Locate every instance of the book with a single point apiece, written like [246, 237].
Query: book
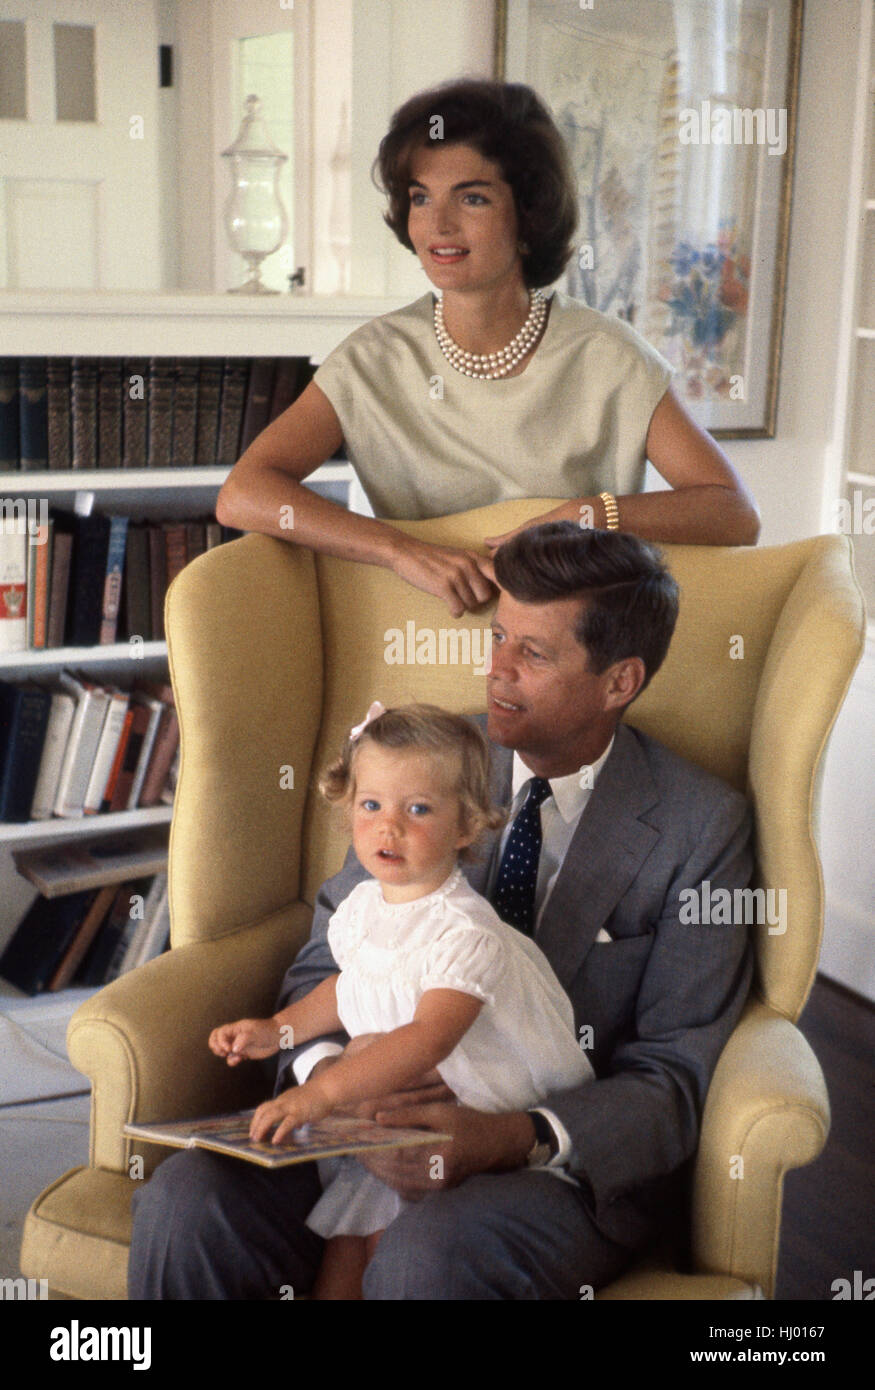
[10, 423]
[135, 412]
[109, 412]
[39, 579]
[99, 956]
[185, 412]
[162, 378]
[118, 761]
[33, 413]
[124, 778]
[41, 940]
[107, 747]
[79, 866]
[150, 930]
[83, 406]
[59, 381]
[208, 404]
[51, 762]
[229, 1134]
[13, 583]
[112, 585]
[85, 934]
[287, 384]
[24, 717]
[163, 749]
[235, 379]
[156, 938]
[195, 540]
[91, 705]
[136, 597]
[88, 579]
[169, 791]
[175, 550]
[256, 412]
[59, 588]
[157, 581]
[155, 709]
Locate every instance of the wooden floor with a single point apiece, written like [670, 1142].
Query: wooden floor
[829, 1207]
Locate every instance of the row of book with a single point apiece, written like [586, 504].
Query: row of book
[75, 748]
[88, 937]
[140, 412]
[83, 581]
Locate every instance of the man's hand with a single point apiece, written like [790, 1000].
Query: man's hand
[481, 1143]
[420, 1092]
[247, 1038]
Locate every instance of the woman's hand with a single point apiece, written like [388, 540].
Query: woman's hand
[248, 1038]
[300, 1105]
[462, 578]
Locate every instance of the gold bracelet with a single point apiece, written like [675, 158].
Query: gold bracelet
[612, 513]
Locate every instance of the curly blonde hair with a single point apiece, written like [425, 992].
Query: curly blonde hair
[425, 729]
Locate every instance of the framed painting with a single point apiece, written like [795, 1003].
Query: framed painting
[679, 117]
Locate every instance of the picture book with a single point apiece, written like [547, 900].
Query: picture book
[229, 1134]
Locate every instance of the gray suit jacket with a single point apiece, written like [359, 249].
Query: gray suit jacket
[661, 997]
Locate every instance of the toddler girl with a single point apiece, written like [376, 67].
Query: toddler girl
[423, 960]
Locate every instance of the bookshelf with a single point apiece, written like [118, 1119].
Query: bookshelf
[69, 323]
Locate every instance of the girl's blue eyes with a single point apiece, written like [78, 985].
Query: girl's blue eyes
[418, 808]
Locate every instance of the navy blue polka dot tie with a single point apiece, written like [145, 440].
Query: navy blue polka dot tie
[514, 894]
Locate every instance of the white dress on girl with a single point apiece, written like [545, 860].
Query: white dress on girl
[520, 1048]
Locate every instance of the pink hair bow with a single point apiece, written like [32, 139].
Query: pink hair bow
[373, 713]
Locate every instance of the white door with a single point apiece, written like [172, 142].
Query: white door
[79, 145]
[262, 47]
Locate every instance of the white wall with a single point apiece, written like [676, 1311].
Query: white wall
[785, 472]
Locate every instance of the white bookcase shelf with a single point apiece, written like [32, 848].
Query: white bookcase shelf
[32, 832]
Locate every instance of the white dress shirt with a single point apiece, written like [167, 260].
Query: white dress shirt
[560, 814]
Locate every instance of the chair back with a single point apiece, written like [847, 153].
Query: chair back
[276, 652]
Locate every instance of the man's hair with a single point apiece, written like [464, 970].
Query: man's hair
[509, 124]
[452, 740]
[629, 599]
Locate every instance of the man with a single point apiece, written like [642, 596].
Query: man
[619, 830]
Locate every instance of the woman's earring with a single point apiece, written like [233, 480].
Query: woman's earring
[523, 248]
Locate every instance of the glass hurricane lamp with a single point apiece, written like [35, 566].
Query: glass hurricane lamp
[255, 219]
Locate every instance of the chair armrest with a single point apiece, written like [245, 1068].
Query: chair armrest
[767, 1111]
[143, 1040]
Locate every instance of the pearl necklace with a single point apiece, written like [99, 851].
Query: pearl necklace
[490, 366]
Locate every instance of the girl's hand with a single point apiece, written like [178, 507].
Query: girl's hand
[247, 1038]
[298, 1106]
[462, 578]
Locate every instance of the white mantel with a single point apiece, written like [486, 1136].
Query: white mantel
[133, 323]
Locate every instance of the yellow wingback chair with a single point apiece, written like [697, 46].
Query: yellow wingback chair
[274, 653]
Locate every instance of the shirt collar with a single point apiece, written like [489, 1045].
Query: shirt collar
[571, 792]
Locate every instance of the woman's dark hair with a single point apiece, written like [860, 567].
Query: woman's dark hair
[509, 124]
[629, 598]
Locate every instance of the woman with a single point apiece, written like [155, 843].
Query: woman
[490, 392]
